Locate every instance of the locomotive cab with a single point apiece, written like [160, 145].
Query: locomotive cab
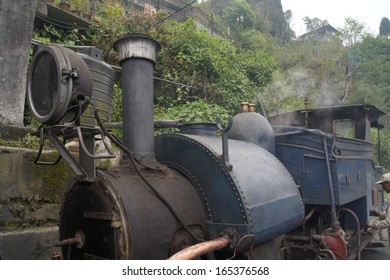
[329, 152]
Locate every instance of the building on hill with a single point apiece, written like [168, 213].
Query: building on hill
[320, 34]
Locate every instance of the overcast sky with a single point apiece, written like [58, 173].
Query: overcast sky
[369, 12]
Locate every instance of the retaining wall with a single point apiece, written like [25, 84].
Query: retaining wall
[30, 197]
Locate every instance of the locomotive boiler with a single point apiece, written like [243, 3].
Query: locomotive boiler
[272, 188]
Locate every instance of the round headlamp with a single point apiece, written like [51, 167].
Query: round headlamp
[59, 85]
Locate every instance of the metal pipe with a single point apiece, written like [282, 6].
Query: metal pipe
[331, 187]
[300, 131]
[200, 249]
[357, 229]
[379, 148]
[261, 106]
[87, 150]
[137, 55]
[225, 148]
[310, 214]
[67, 156]
[308, 239]
[329, 252]
[157, 124]
[307, 217]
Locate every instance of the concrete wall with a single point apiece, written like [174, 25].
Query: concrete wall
[29, 244]
[30, 197]
[16, 25]
[30, 200]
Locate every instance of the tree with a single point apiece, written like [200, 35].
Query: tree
[384, 27]
[288, 16]
[307, 68]
[313, 23]
[213, 67]
[352, 35]
[373, 71]
[373, 86]
[270, 19]
[353, 32]
[265, 16]
[253, 39]
[239, 16]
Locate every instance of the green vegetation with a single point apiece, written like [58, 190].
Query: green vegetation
[384, 27]
[245, 50]
[216, 70]
[28, 142]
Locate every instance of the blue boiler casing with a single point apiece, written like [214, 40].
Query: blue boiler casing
[257, 196]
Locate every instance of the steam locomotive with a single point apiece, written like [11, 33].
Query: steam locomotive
[297, 185]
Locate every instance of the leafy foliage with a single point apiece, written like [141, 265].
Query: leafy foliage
[196, 111]
[215, 70]
[109, 26]
[265, 16]
[307, 68]
[239, 16]
[253, 39]
[50, 34]
[313, 23]
[373, 71]
[353, 32]
[384, 27]
[117, 104]
[28, 142]
[113, 22]
[80, 5]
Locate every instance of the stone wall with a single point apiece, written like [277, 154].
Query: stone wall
[30, 200]
[30, 194]
[30, 197]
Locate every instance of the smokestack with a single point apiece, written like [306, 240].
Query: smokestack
[137, 56]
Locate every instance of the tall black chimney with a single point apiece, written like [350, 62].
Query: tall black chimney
[137, 56]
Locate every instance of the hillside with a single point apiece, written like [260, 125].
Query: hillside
[272, 11]
[266, 16]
